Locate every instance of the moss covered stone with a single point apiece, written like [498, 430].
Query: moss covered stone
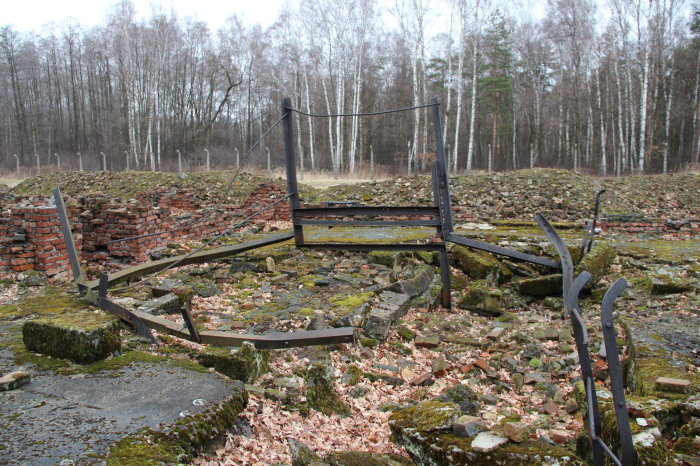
[483, 298]
[177, 443]
[418, 284]
[319, 390]
[549, 285]
[597, 262]
[387, 258]
[245, 363]
[429, 416]
[81, 337]
[478, 265]
[666, 282]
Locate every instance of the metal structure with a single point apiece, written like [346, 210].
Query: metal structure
[571, 289]
[439, 215]
[96, 293]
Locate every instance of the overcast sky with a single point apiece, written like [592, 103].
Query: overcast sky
[28, 15]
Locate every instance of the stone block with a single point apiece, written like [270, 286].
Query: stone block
[483, 298]
[82, 337]
[467, 426]
[486, 441]
[516, 431]
[667, 384]
[549, 285]
[478, 265]
[417, 285]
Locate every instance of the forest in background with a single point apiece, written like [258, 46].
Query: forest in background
[516, 92]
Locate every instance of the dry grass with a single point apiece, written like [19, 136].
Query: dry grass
[324, 180]
[10, 181]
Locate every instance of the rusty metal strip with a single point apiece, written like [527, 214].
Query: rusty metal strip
[615, 370]
[281, 339]
[187, 316]
[68, 239]
[202, 256]
[483, 246]
[375, 247]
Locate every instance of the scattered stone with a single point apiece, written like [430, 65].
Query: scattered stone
[387, 258]
[270, 265]
[323, 282]
[483, 298]
[487, 441]
[379, 323]
[482, 364]
[432, 341]
[496, 333]
[537, 377]
[535, 363]
[597, 262]
[518, 381]
[551, 334]
[550, 407]
[558, 436]
[420, 380]
[461, 395]
[301, 454]
[571, 406]
[14, 380]
[477, 264]
[467, 426]
[516, 431]
[317, 322]
[439, 366]
[549, 285]
[245, 363]
[667, 384]
[319, 390]
[666, 282]
[406, 333]
[417, 285]
[359, 392]
[166, 287]
[553, 304]
[168, 304]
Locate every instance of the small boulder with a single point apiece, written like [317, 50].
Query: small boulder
[477, 264]
[483, 298]
[486, 441]
[245, 363]
[319, 390]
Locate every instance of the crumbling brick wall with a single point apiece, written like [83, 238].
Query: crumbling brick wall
[30, 236]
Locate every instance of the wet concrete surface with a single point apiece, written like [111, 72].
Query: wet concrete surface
[74, 419]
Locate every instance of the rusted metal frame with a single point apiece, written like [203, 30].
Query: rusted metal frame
[351, 211]
[291, 166]
[189, 322]
[375, 247]
[68, 239]
[327, 204]
[615, 371]
[199, 257]
[370, 223]
[501, 251]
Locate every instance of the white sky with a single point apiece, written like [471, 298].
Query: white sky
[28, 15]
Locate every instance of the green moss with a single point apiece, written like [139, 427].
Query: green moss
[483, 298]
[401, 348]
[81, 336]
[52, 301]
[428, 416]
[364, 458]
[178, 442]
[352, 375]
[245, 364]
[368, 342]
[345, 304]
[476, 264]
[319, 390]
[597, 262]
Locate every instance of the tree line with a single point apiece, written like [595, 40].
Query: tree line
[608, 97]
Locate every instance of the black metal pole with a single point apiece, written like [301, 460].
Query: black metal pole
[443, 182]
[290, 162]
[615, 371]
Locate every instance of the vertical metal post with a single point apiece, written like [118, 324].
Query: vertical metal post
[68, 238]
[445, 291]
[290, 162]
[581, 339]
[443, 183]
[615, 371]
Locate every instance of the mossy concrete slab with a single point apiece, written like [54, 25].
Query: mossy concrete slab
[79, 417]
[81, 336]
[549, 285]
